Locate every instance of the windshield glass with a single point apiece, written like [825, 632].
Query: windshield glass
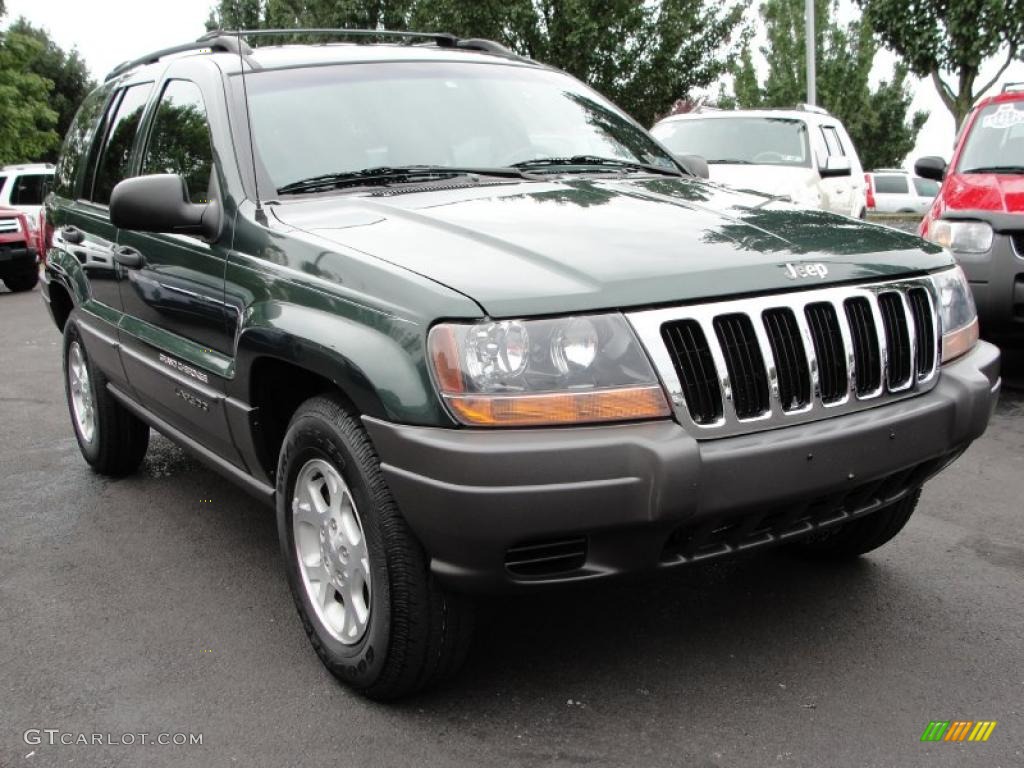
[754, 140]
[348, 118]
[996, 139]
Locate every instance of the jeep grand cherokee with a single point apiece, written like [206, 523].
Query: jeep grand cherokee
[469, 328]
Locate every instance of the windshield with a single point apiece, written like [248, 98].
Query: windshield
[742, 140]
[348, 118]
[996, 140]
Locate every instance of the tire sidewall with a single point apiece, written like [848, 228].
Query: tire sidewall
[312, 437]
[90, 450]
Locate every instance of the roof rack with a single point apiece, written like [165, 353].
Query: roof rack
[440, 39]
[1013, 87]
[213, 42]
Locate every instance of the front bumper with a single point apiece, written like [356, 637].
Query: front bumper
[997, 282]
[503, 509]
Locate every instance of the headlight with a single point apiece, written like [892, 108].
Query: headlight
[518, 373]
[958, 317]
[961, 236]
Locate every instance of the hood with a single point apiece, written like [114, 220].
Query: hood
[997, 192]
[548, 247]
[776, 180]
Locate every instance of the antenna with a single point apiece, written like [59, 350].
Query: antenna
[261, 216]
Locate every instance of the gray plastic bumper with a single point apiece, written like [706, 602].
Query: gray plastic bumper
[627, 491]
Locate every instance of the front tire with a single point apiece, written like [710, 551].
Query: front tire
[112, 439]
[21, 283]
[858, 537]
[362, 585]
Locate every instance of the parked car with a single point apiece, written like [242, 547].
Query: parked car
[804, 155]
[469, 328]
[23, 188]
[894, 190]
[979, 211]
[19, 263]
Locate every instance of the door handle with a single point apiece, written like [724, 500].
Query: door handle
[72, 235]
[128, 257]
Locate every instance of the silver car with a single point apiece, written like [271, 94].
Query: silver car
[893, 190]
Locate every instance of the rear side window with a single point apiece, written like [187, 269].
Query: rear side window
[180, 139]
[891, 185]
[29, 189]
[832, 141]
[77, 142]
[116, 153]
[926, 187]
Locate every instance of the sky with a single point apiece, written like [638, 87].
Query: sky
[107, 32]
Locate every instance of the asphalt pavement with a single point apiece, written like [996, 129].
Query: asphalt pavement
[157, 604]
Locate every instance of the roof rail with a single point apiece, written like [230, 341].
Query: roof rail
[440, 39]
[213, 42]
[813, 108]
[1013, 87]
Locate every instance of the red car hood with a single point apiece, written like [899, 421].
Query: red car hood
[999, 193]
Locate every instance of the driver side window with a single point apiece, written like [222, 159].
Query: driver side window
[180, 139]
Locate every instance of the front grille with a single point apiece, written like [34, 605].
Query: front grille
[9, 225]
[740, 366]
[866, 354]
[692, 357]
[745, 365]
[702, 541]
[790, 358]
[897, 338]
[829, 349]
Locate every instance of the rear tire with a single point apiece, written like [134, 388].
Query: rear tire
[857, 537]
[112, 439]
[21, 283]
[408, 633]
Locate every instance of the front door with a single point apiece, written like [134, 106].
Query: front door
[837, 191]
[175, 344]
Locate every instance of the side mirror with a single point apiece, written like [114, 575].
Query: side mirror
[931, 167]
[695, 164]
[159, 203]
[835, 166]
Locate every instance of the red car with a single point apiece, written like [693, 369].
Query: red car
[979, 211]
[19, 251]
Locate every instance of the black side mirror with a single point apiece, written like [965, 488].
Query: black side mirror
[159, 203]
[695, 164]
[933, 168]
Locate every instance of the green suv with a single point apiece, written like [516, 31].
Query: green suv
[469, 328]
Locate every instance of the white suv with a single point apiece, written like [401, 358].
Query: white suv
[894, 190]
[23, 188]
[803, 154]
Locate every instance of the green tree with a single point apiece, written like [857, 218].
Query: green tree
[876, 119]
[939, 37]
[66, 71]
[26, 119]
[643, 54]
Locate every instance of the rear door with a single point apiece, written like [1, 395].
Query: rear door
[175, 344]
[104, 139]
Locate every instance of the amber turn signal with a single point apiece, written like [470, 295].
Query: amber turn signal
[959, 342]
[627, 404]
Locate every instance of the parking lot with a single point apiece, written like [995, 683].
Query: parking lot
[157, 603]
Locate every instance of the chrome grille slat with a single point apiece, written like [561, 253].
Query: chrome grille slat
[765, 386]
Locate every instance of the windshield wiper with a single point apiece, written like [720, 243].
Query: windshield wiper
[594, 161]
[390, 175]
[729, 161]
[996, 169]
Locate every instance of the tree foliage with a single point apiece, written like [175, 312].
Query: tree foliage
[66, 71]
[643, 54]
[935, 37]
[876, 119]
[27, 121]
